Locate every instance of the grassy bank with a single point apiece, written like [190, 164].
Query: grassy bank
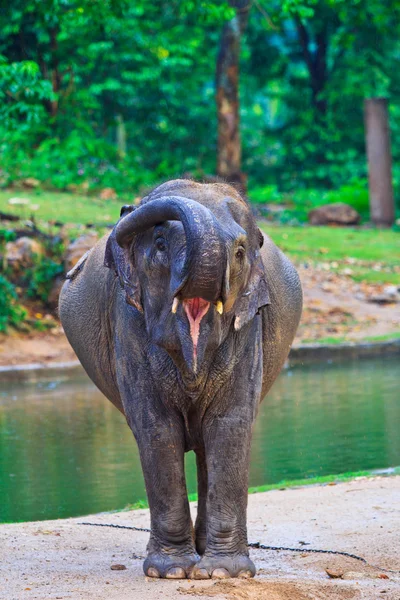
[336, 341]
[59, 206]
[373, 253]
[284, 484]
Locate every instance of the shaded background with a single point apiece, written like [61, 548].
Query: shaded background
[122, 94]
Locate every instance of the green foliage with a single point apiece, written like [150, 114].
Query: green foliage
[39, 278]
[11, 313]
[22, 92]
[121, 94]
[6, 235]
[298, 204]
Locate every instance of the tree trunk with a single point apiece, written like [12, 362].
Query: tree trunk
[377, 135]
[316, 62]
[121, 136]
[229, 157]
[55, 74]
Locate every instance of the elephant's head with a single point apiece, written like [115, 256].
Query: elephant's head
[189, 259]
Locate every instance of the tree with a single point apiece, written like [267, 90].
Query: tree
[229, 154]
[379, 161]
[314, 62]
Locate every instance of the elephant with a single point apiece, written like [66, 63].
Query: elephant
[183, 316]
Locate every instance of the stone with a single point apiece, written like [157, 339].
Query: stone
[52, 300]
[108, 194]
[18, 201]
[21, 253]
[389, 295]
[77, 248]
[337, 213]
[30, 182]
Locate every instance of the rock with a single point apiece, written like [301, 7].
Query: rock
[22, 252]
[19, 201]
[108, 194]
[54, 294]
[355, 575]
[327, 287]
[30, 182]
[392, 290]
[118, 567]
[389, 295]
[334, 574]
[337, 213]
[360, 296]
[77, 248]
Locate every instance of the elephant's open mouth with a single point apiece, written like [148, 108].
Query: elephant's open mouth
[195, 309]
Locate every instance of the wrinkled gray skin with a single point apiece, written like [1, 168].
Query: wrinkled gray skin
[187, 240]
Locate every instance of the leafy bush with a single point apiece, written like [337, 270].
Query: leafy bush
[6, 235]
[298, 204]
[39, 279]
[11, 312]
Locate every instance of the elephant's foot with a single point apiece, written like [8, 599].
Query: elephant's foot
[224, 566]
[169, 566]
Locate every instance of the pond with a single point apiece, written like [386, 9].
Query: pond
[66, 451]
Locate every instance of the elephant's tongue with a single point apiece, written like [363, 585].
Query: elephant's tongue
[195, 309]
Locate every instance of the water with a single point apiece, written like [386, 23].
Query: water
[65, 450]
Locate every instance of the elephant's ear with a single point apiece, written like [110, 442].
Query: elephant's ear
[254, 297]
[120, 261]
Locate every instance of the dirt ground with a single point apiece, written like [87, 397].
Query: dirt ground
[334, 306]
[67, 560]
[337, 306]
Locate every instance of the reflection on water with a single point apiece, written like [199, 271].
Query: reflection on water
[65, 450]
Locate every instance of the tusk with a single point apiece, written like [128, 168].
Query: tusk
[175, 305]
[220, 307]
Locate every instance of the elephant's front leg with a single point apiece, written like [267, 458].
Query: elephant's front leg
[227, 443]
[170, 551]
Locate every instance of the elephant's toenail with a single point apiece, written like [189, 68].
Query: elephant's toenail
[200, 574]
[152, 572]
[220, 574]
[245, 574]
[176, 573]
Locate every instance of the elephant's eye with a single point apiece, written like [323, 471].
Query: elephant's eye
[240, 252]
[160, 244]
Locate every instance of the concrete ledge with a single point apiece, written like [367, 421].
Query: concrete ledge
[40, 371]
[346, 351]
[303, 353]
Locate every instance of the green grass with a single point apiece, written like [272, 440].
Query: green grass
[284, 484]
[64, 207]
[389, 337]
[379, 247]
[323, 479]
[334, 243]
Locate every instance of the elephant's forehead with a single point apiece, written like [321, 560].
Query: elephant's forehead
[232, 229]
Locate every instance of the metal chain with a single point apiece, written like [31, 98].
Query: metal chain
[260, 546]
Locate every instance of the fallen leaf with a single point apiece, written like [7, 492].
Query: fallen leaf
[383, 576]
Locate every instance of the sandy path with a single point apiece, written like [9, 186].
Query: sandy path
[63, 559]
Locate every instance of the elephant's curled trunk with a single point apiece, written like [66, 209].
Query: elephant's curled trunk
[203, 269]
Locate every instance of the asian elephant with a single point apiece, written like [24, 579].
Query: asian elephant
[183, 317]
